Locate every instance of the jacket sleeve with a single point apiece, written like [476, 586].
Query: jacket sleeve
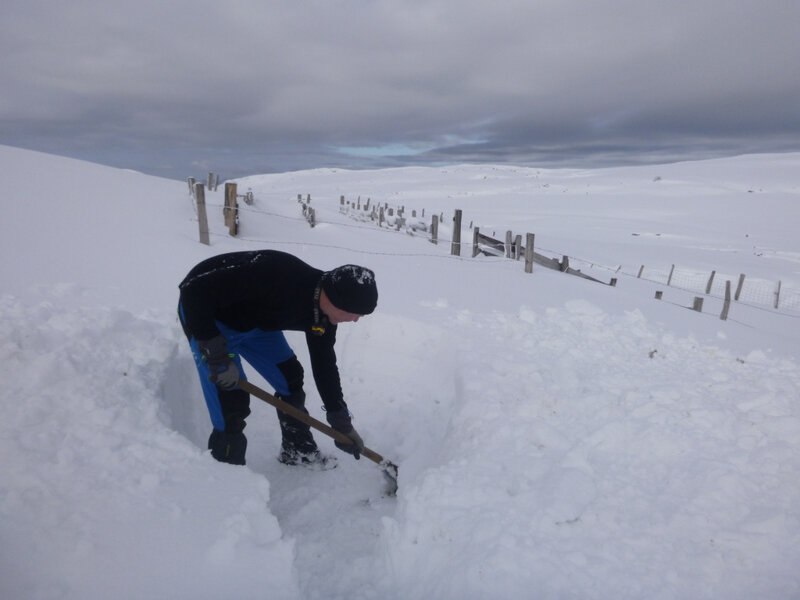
[324, 368]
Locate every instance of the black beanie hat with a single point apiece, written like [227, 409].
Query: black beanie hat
[351, 288]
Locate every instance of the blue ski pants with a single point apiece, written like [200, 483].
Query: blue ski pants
[263, 350]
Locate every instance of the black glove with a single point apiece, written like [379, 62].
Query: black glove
[341, 422]
[223, 370]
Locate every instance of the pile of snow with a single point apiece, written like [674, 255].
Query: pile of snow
[555, 437]
[101, 498]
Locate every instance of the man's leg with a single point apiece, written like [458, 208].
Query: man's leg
[296, 436]
[228, 410]
[270, 355]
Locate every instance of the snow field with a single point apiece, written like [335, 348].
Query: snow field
[556, 438]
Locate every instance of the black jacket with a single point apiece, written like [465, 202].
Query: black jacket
[263, 289]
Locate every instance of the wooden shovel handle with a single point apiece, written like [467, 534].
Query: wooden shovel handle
[307, 419]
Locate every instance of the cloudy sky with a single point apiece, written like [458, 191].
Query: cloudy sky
[177, 88]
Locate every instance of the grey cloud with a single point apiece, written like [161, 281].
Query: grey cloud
[255, 86]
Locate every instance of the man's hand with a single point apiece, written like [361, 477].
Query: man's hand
[223, 370]
[340, 420]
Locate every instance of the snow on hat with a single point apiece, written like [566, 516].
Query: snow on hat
[351, 288]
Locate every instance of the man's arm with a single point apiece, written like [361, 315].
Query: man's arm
[326, 376]
[324, 368]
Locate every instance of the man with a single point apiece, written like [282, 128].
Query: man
[238, 305]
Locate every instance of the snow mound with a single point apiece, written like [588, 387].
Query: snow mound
[611, 458]
[99, 487]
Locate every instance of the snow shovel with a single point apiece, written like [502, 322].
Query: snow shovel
[388, 467]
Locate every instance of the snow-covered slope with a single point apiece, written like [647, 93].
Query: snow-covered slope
[557, 438]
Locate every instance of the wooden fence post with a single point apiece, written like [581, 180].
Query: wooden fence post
[202, 218]
[509, 236]
[710, 282]
[455, 247]
[231, 209]
[778, 294]
[727, 304]
[517, 247]
[641, 269]
[191, 183]
[671, 271]
[435, 229]
[698, 304]
[475, 233]
[529, 252]
[739, 287]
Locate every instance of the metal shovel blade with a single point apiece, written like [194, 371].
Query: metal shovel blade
[390, 475]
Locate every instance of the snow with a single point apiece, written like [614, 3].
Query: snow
[556, 438]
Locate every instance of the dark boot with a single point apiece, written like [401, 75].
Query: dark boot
[315, 460]
[296, 435]
[228, 447]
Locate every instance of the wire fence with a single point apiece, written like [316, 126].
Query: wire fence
[759, 293]
[751, 291]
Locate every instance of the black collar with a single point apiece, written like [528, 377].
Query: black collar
[320, 319]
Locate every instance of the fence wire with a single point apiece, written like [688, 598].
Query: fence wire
[755, 292]
[759, 292]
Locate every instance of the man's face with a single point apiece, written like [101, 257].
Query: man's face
[336, 315]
